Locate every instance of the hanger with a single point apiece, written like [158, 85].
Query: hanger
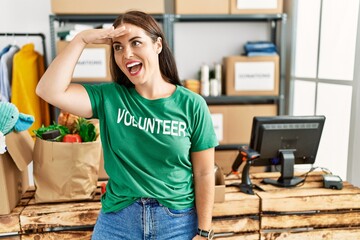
[27, 35]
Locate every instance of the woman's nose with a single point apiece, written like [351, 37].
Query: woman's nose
[128, 53]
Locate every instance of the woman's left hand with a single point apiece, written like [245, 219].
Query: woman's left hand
[102, 36]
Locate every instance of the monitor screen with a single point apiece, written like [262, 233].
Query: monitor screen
[300, 134]
[285, 141]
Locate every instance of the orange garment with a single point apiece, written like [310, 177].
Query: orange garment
[28, 67]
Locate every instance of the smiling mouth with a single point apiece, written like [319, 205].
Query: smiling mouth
[134, 68]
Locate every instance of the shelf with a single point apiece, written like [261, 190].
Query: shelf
[227, 147]
[228, 17]
[177, 17]
[91, 18]
[236, 100]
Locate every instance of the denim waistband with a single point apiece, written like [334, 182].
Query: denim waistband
[148, 201]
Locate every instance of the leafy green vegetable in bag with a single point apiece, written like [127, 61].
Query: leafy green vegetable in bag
[63, 131]
[86, 130]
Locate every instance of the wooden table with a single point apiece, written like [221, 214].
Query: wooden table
[306, 212]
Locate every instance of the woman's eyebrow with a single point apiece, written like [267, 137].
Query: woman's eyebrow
[131, 39]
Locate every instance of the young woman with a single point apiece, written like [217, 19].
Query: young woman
[157, 136]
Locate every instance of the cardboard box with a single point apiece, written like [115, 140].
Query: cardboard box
[248, 76]
[256, 7]
[219, 185]
[202, 7]
[233, 123]
[13, 169]
[106, 6]
[93, 64]
[225, 158]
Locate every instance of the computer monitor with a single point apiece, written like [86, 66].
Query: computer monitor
[286, 141]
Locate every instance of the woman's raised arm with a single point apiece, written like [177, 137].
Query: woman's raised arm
[55, 86]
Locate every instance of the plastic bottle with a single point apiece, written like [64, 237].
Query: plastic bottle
[214, 87]
[218, 73]
[205, 85]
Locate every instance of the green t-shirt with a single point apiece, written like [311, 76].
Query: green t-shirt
[147, 144]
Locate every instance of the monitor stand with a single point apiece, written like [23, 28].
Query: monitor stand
[287, 178]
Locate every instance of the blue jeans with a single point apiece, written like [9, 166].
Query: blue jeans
[146, 219]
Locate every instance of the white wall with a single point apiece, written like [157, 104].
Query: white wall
[16, 17]
[209, 42]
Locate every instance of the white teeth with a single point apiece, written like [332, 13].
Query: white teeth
[132, 64]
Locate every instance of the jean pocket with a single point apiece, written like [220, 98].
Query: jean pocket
[179, 213]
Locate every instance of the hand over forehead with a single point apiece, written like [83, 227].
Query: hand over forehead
[120, 31]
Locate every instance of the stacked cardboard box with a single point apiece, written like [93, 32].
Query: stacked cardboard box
[252, 76]
[256, 7]
[14, 179]
[233, 123]
[202, 7]
[93, 64]
[106, 6]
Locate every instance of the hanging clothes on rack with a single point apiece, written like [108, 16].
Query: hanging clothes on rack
[28, 67]
[6, 65]
[4, 50]
[2, 84]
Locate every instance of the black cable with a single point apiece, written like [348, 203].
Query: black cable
[305, 175]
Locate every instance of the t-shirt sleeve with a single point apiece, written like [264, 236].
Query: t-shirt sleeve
[203, 135]
[94, 92]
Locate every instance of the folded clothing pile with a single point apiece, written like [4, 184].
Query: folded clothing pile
[260, 48]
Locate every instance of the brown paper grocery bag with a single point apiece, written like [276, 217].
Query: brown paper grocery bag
[65, 171]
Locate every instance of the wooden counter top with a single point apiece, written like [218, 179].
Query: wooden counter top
[308, 211]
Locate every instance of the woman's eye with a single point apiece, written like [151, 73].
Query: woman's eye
[117, 47]
[136, 43]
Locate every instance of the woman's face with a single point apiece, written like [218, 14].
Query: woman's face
[137, 55]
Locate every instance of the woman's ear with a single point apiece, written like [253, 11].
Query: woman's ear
[159, 45]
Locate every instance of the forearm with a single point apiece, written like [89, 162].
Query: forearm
[55, 85]
[204, 198]
[57, 78]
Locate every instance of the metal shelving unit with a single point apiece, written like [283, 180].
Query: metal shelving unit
[277, 24]
[238, 100]
[92, 19]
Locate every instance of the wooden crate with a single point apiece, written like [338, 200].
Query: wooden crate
[243, 236]
[61, 216]
[67, 220]
[309, 211]
[9, 224]
[238, 216]
[305, 212]
[60, 220]
[317, 234]
[78, 235]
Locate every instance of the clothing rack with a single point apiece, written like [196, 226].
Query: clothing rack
[41, 35]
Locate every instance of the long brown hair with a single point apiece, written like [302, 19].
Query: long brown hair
[167, 63]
